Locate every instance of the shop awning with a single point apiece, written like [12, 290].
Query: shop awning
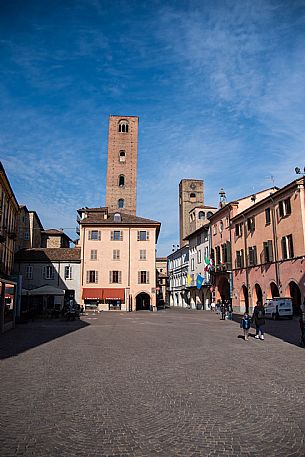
[114, 294]
[46, 290]
[92, 293]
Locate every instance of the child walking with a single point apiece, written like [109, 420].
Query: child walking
[245, 325]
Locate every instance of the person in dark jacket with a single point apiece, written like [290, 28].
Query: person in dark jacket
[245, 325]
[259, 319]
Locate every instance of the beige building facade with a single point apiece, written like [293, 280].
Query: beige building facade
[29, 228]
[121, 182]
[118, 260]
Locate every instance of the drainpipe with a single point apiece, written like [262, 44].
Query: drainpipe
[274, 233]
[246, 260]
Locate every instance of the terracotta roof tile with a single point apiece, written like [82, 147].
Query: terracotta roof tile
[48, 254]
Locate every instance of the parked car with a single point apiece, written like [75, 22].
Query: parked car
[278, 307]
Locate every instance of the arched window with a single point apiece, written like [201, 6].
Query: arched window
[121, 203]
[209, 214]
[123, 126]
[201, 215]
[121, 180]
[122, 156]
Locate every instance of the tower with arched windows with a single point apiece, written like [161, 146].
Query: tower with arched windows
[121, 183]
[191, 195]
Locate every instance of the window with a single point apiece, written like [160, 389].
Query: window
[240, 259]
[115, 277]
[68, 272]
[116, 235]
[201, 215]
[209, 214]
[220, 226]
[287, 247]
[142, 254]
[284, 207]
[252, 256]
[268, 251]
[192, 196]
[199, 259]
[48, 272]
[268, 216]
[214, 229]
[238, 229]
[116, 254]
[143, 277]
[92, 276]
[93, 254]
[121, 203]
[217, 255]
[28, 272]
[251, 224]
[123, 126]
[121, 181]
[225, 249]
[26, 235]
[122, 156]
[143, 235]
[192, 264]
[94, 235]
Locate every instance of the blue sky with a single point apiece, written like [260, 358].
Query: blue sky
[219, 87]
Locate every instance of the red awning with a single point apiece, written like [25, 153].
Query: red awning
[114, 294]
[92, 293]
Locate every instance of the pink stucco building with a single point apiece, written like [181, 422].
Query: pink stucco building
[259, 247]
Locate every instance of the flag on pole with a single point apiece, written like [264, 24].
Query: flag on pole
[189, 280]
[199, 281]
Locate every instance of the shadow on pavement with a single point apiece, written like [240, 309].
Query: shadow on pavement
[32, 334]
[284, 329]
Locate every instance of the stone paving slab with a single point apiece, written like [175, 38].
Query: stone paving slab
[172, 383]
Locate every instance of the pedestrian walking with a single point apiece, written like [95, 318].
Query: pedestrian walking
[230, 311]
[245, 324]
[223, 311]
[218, 307]
[259, 319]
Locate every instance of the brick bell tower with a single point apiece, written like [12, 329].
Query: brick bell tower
[191, 194]
[121, 183]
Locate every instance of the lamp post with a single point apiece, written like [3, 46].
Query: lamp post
[299, 172]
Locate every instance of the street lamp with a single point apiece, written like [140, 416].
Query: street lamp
[299, 172]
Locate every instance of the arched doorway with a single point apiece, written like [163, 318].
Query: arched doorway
[244, 300]
[224, 289]
[143, 302]
[295, 294]
[274, 290]
[258, 294]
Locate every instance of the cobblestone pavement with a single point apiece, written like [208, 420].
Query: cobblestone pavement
[172, 383]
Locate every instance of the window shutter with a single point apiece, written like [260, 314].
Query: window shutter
[99, 235]
[89, 235]
[270, 249]
[288, 206]
[96, 277]
[139, 277]
[281, 209]
[121, 235]
[147, 236]
[147, 277]
[138, 237]
[112, 236]
[110, 277]
[87, 276]
[290, 244]
[284, 248]
[119, 277]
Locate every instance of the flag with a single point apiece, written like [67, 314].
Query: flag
[189, 280]
[207, 260]
[199, 281]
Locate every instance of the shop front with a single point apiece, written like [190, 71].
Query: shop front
[7, 305]
[104, 299]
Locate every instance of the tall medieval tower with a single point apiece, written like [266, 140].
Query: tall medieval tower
[191, 194]
[121, 183]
